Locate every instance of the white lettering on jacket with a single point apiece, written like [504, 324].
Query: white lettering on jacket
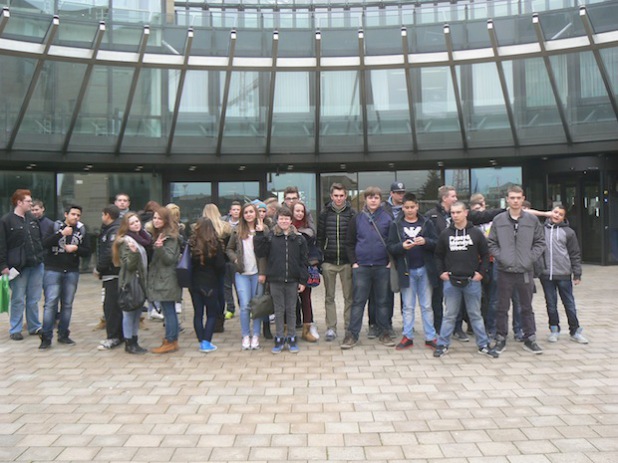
[459, 243]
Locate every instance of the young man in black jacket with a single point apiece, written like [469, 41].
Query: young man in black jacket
[331, 240]
[21, 250]
[65, 246]
[286, 273]
[462, 260]
[107, 272]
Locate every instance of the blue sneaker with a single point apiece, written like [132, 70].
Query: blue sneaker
[278, 346]
[207, 346]
[292, 346]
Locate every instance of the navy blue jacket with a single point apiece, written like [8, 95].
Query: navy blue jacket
[364, 246]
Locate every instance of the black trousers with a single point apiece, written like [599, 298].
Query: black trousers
[113, 314]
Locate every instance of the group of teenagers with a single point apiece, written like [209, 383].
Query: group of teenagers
[458, 263]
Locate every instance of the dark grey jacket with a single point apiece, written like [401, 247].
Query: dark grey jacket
[516, 245]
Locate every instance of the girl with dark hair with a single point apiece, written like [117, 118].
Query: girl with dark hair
[208, 267]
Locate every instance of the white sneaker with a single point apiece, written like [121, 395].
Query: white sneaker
[331, 335]
[255, 342]
[553, 336]
[178, 307]
[154, 315]
[271, 318]
[313, 330]
[579, 337]
[246, 343]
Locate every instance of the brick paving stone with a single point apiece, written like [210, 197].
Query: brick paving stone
[370, 403]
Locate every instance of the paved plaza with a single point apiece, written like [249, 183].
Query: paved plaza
[370, 403]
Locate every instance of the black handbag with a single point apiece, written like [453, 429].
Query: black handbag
[183, 268]
[131, 295]
[262, 306]
[458, 281]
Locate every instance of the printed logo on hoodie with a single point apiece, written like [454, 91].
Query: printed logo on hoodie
[459, 243]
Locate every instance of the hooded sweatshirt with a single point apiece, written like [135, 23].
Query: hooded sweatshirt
[462, 252]
[562, 257]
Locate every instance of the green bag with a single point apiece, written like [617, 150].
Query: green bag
[5, 294]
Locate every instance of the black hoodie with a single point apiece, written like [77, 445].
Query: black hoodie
[462, 252]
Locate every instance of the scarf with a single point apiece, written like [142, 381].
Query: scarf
[142, 237]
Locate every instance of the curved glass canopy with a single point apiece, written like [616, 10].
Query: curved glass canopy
[409, 80]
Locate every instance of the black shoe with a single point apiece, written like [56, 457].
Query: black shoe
[440, 351]
[461, 336]
[532, 346]
[66, 340]
[36, 332]
[487, 350]
[500, 346]
[386, 340]
[138, 349]
[45, 343]
[348, 342]
[16, 337]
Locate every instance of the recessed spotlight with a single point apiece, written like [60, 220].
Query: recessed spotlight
[192, 168]
[342, 166]
[29, 167]
[290, 166]
[440, 164]
[241, 168]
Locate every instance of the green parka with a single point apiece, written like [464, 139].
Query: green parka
[162, 282]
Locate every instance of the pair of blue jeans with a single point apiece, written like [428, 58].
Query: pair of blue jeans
[374, 281]
[564, 288]
[130, 323]
[247, 287]
[171, 320]
[26, 292]
[419, 288]
[471, 294]
[59, 288]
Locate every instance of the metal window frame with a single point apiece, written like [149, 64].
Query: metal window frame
[271, 96]
[226, 91]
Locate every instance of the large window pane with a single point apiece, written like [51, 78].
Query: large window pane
[341, 124]
[14, 80]
[199, 112]
[294, 113]
[247, 112]
[460, 179]
[383, 180]
[101, 112]
[437, 122]
[348, 180]
[388, 114]
[41, 184]
[424, 184]
[484, 109]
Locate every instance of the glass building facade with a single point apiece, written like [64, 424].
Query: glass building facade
[225, 100]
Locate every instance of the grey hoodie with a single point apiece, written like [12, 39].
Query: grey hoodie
[562, 257]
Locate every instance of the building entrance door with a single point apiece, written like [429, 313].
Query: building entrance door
[581, 195]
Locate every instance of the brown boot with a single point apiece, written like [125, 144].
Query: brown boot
[166, 347]
[307, 336]
[100, 325]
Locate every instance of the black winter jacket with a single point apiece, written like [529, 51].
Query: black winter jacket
[57, 258]
[287, 255]
[332, 231]
[105, 266]
[439, 217]
[396, 237]
[20, 241]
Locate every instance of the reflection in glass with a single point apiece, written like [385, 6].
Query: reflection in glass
[348, 180]
[304, 182]
[610, 58]
[460, 179]
[243, 192]
[424, 184]
[383, 180]
[191, 197]
[40, 184]
[493, 182]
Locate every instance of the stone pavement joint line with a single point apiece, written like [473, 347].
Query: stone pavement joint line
[370, 403]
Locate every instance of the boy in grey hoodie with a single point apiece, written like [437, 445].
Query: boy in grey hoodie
[560, 261]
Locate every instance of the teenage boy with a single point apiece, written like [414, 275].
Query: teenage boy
[286, 272]
[123, 203]
[462, 259]
[331, 240]
[366, 246]
[65, 246]
[517, 241]
[21, 250]
[412, 240]
[560, 261]
[107, 272]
